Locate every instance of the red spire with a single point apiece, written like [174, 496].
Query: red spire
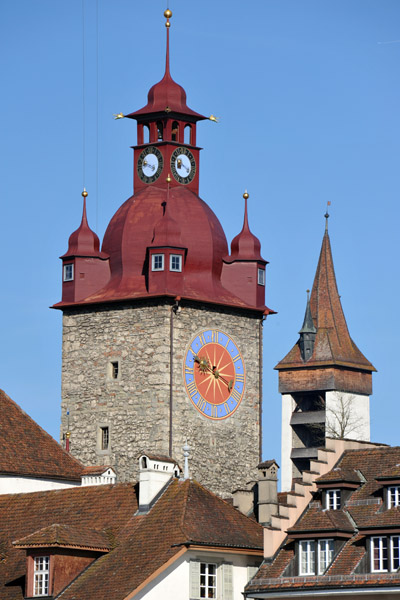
[83, 241]
[166, 95]
[245, 246]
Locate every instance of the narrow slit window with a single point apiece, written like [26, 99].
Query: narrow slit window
[114, 369]
[105, 438]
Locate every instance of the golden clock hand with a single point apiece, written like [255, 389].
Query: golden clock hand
[204, 365]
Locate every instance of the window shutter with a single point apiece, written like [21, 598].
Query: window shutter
[226, 576]
[194, 579]
[251, 571]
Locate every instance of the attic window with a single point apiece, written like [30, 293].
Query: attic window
[175, 262]
[41, 571]
[393, 496]
[157, 262]
[333, 500]
[385, 553]
[261, 277]
[315, 556]
[69, 272]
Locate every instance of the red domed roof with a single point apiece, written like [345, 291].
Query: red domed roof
[84, 241]
[131, 232]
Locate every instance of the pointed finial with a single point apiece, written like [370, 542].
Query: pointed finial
[118, 116]
[326, 215]
[214, 118]
[167, 15]
[308, 295]
[84, 193]
[186, 449]
[168, 180]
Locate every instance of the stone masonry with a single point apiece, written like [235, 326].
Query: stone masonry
[135, 406]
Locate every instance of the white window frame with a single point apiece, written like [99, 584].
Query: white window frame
[385, 553]
[173, 257]
[315, 556]
[208, 589]
[379, 554]
[333, 499]
[260, 276]
[41, 575]
[70, 275]
[154, 259]
[393, 496]
[307, 551]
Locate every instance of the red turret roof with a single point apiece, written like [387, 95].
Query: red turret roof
[245, 246]
[333, 344]
[83, 241]
[166, 96]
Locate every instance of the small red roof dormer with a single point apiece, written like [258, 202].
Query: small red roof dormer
[85, 267]
[245, 246]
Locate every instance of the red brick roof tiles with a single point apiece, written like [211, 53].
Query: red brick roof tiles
[65, 536]
[27, 450]
[333, 344]
[185, 514]
[363, 514]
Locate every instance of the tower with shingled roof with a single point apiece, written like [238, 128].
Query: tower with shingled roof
[325, 380]
[162, 327]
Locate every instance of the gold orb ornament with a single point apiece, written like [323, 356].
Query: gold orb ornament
[167, 14]
[245, 195]
[84, 193]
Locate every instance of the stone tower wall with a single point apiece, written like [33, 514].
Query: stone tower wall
[135, 407]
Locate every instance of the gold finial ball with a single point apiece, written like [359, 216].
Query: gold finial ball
[245, 195]
[84, 193]
[168, 178]
[167, 14]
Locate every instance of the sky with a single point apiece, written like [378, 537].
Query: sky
[308, 95]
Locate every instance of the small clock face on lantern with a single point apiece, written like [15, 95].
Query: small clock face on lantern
[183, 165]
[214, 374]
[150, 164]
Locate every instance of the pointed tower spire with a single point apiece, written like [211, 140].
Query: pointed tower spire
[307, 333]
[322, 373]
[245, 246]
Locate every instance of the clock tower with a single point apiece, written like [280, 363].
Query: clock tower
[162, 327]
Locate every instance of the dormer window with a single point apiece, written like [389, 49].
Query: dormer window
[41, 571]
[157, 262]
[315, 556]
[385, 553]
[69, 272]
[333, 500]
[393, 496]
[175, 262]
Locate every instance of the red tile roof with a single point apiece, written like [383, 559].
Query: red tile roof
[27, 450]
[333, 344]
[185, 514]
[364, 514]
[66, 536]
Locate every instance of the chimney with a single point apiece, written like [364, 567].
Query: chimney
[154, 474]
[267, 491]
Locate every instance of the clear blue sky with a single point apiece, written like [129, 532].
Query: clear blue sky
[308, 93]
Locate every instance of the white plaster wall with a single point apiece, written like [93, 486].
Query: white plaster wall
[18, 485]
[173, 583]
[286, 461]
[355, 407]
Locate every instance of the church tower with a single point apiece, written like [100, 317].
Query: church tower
[162, 327]
[325, 380]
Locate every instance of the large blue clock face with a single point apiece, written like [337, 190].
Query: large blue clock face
[214, 374]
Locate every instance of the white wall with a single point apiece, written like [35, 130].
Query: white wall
[18, 485]
[173, 583]
[355, 408]
[287, 434]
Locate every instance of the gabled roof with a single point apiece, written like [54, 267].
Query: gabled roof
[363, 514]
[26, 450]
[66, 536]
[185, 515]
[333, 344]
